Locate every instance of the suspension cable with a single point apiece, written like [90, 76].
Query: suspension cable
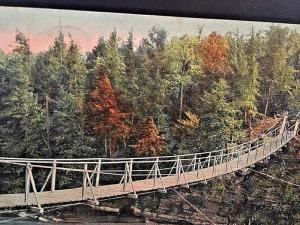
[275, 178]
[194, 207]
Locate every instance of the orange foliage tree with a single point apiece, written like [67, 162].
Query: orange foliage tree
[214, 50]
[148, 143]
[104, 116]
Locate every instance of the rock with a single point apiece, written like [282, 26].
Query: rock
[57, 219]
[106, 209]
[22, 214]
[136, 211]
[43, 219]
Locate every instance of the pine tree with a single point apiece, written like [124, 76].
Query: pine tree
[151, 62]
[113, 62]
[219, 122]
[71, 141]
[104, 116]
[278, 76]
[129, 87]
[148, 143]
[21, 115]
[97, 51]
[246, 76]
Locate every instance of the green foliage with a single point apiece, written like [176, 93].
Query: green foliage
[219, 121]
[278, 76]
[20, 114]
[113, 62]
[71, 143]
[246, 80]
[43, 96]
[184, 64]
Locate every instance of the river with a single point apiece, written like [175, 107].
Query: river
[72, 215]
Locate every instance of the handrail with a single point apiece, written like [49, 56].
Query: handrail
[176, 167]
[135, 159]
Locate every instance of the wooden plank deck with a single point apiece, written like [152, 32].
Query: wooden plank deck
[107, 191]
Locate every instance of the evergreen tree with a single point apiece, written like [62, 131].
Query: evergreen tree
[71, 141]
[219, 122]
[246, 76]
[76, 71]
[278, 76]
[20, 114]
[113, 61]
[152, 69]
[97, 51]
[130, 88]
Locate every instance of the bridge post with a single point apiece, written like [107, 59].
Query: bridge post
[178, 169]
[195, 162]
[222, 153]
[27, 183]
[98, 173]
[283, 123]
[249, 150]
[198, 166]
[296, 127]
[53, 176]
[238, 161]
[84, 179]
[209, 158]
[126, 176]
[214, 163]
[155, 171]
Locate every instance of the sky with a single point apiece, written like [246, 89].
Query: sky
[42, 25]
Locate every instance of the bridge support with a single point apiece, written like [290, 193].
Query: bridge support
[127, 177]
[296, 127]
[179, 168]
[88, 183]
[53, 176]
[98, 173]
[30, 180]
[283, 123]
[193, 168]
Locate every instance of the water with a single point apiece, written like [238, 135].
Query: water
[107, 220]
[73, 215]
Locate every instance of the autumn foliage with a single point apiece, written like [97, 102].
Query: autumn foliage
[214, 50]
[190, 123]
[104, 116]
[262, 126]
[148, 143]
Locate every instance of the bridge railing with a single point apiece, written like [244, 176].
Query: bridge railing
[126, 170]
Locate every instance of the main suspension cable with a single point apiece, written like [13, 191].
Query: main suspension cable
[275, 178]
[194, 207]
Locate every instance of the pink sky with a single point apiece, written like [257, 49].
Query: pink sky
[41, 26]
[42, 40]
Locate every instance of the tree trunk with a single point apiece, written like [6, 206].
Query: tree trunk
[110, 146]
[250, 119]
[105, 146]
[245, 116]
[48, 125]
[268, 99]
[181, 101]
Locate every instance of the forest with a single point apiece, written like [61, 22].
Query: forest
[166, 96]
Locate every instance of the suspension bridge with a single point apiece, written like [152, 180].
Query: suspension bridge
[132, 176]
